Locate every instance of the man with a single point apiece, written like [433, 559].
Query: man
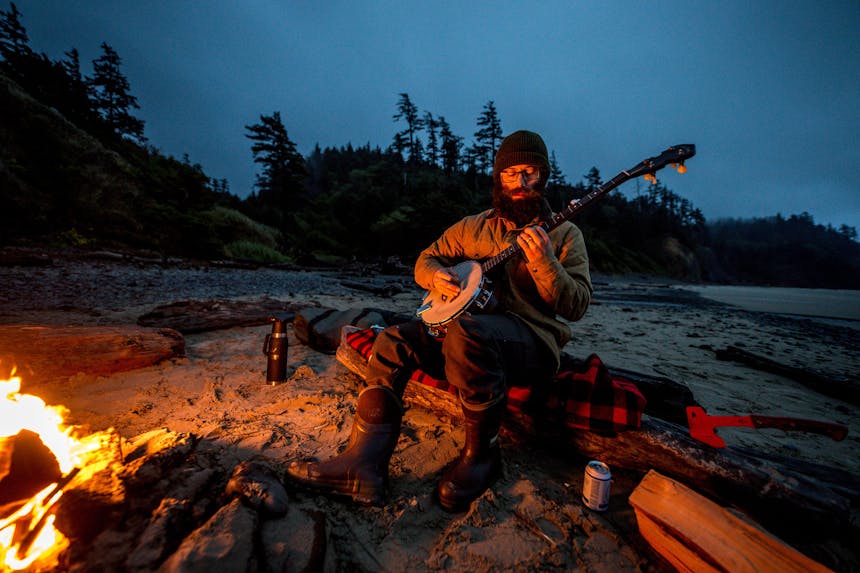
[481, 354]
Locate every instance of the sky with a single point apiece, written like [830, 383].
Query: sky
[767, 90]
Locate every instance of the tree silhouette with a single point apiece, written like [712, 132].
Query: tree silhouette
[280, 184]
[431, 125]
[72, 65]
[556, 177]
[14, 42]
[451, 146]
[407, 139]
[109, 90]
[486, 137]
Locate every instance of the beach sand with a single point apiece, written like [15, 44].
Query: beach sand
[532, 519]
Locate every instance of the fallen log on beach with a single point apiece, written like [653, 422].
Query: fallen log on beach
[192, 316]
[841, 388]
[41, 353]
[775, 492]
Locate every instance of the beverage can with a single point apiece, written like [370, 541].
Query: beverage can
[595, 485]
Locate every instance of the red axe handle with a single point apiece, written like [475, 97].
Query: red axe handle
[703, 426]
[830, 429]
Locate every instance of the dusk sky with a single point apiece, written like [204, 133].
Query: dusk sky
[769, 91]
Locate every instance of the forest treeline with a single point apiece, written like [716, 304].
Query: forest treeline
[77, 170]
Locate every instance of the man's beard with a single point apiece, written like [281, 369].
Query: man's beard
[520, 211]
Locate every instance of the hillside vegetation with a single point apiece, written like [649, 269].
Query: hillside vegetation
[77, 170]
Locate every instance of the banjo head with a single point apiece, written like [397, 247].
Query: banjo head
[437, 309]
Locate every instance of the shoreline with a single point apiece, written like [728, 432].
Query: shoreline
[217, 391]
[838, 304]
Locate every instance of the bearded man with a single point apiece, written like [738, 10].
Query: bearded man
[481, 354]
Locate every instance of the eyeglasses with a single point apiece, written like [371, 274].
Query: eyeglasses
[530, 172]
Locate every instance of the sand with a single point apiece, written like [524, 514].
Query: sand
[532, 518]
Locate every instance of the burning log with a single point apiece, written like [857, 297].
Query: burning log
[26, 467]
[47, 353]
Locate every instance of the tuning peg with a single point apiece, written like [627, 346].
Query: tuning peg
[682, 168]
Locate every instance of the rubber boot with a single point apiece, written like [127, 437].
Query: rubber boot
[480, 461]
[360, 472]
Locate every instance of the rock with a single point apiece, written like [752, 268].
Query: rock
[259, 487]
[296, 542]
[224, 543]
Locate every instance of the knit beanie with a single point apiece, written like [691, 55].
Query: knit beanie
[519, 148]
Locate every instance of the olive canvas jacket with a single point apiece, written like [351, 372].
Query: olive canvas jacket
[535, 292]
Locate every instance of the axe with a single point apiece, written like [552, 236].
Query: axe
[703, 427]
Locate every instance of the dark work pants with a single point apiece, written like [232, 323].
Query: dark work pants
[482, 355]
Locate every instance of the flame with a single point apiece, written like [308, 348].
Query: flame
[26, 412]
[48, 538]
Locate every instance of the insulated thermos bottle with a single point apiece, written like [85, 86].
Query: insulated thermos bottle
[275, 347]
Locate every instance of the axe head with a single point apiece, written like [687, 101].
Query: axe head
[702, 427]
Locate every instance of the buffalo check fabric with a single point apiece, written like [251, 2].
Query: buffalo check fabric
[586, 398]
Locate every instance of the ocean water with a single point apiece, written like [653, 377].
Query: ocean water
[835, 306]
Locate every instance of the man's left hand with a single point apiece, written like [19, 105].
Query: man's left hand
[535, 244]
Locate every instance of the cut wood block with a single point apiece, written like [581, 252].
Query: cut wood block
[695, 534]
[43, 353]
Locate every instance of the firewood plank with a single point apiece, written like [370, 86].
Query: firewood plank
[696, 534]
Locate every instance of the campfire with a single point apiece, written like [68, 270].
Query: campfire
[77, 500]
[33, 436]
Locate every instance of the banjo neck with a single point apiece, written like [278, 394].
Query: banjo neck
[673, 155]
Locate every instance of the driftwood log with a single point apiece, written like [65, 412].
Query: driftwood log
[41, 353]
[695, 534]
[835, 387]
[777, 492]
[191, 316]
[385, 290]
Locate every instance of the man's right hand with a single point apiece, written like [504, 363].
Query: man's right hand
[446, 282]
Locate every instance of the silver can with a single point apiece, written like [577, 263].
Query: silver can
[595, 486]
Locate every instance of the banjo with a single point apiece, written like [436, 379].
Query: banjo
[438, 310]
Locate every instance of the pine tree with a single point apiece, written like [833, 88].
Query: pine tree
[72, 65]
[488, 135]
[408, 138]
[14, 42]
[109, 90]
[556, 177]
[451, 147]
[280, 183]
[431, 124]
[73, 99]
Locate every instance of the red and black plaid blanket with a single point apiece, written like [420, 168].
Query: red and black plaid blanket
[586, 398]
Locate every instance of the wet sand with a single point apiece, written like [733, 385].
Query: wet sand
[532, 519]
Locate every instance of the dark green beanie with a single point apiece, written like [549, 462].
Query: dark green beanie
[521, 147]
